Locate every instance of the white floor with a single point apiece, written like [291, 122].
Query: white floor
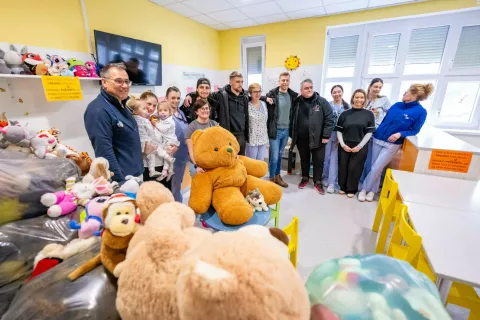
[331, 226]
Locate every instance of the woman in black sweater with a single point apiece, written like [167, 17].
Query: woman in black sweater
[354, 130]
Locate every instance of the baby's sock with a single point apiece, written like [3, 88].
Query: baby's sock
[153, 173]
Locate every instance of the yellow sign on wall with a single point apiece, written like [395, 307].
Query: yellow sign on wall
[62, 88]
[454, 161]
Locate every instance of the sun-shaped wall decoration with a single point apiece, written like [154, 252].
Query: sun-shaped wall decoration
[292, 63]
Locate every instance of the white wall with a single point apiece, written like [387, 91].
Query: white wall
[24, 99]
[473, 139]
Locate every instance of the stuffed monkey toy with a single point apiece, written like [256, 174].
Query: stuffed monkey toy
[119, 227]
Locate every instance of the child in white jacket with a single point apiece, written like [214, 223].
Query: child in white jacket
[165, 126]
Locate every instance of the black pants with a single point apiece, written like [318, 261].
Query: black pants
[350, 168]
[146, 177]
[318, 157]
[242, 142]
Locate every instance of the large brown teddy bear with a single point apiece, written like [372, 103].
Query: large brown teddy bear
[179, 272]
[228, 177]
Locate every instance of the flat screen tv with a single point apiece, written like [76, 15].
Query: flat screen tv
[142, 59]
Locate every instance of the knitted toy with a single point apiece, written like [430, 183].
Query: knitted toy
[34, 63]
[64, 202]
[228, 178]
[93, 219]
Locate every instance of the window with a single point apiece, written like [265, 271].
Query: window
[442, 49]
[341, 57]
[467, 55]
[253, 60]
[459, 102]
[425, 50]
[384, 54]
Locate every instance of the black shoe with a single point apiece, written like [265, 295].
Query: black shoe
[319, 188]
[303, 183]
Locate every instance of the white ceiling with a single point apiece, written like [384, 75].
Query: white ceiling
[229, 14]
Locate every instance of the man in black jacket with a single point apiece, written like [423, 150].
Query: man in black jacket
[202, 92]
[311, 124]
[231, 106]
[277, 124]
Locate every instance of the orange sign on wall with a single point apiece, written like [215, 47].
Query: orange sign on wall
[454, 161]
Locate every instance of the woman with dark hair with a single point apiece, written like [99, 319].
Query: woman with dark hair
[151, 101]
[202, 122]
[330, 167]
[379, 105]
[181, 156]
[404, 119]
[354, 129]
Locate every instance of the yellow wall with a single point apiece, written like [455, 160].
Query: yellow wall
[59, 24]
[306, 37]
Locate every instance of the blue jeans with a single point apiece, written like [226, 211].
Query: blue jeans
[179, 168]
[330, 166]
[276, 151]
[191, 168]
[382, 153]
[368, 163]
[256, 152]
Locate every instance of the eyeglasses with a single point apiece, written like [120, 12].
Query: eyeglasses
[256, 92]
[204, 109]
[120, 82]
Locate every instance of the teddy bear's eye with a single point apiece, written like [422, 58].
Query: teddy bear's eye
[118, 213]
[216, 149]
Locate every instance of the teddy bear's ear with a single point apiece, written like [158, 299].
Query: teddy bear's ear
[280, 235]
[197, 134]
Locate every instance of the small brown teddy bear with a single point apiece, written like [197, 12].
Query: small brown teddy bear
[119, 228]
[228, 177]
[179, 272]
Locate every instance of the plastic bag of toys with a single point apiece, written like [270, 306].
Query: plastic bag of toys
[24, 180]
[52, 295]
[372, 287]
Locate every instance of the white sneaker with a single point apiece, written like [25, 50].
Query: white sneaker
[362, 195]
[325, 184]
[330, 189]
[370, 196]
[341, 192]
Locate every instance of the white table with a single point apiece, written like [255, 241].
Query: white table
[456, 194]
[450, 239]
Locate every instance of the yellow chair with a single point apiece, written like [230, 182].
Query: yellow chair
[292, 232]
[460, 294]
[388, 208]
[276, 214]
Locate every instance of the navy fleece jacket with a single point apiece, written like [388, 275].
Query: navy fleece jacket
[113, 133]
[406, 118]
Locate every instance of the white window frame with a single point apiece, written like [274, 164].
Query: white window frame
[251, 42]
[455, 19]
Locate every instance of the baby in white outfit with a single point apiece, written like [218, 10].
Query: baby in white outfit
[165, 127]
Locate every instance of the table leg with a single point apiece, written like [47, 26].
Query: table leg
[443, 286]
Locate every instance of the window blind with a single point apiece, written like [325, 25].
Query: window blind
[343, 52]
[426, 45]
[254, 60]
[468, 50]
[384, 49]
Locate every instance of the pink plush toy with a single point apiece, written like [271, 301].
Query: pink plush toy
[64, 202]
[93, 221]
[92, 69]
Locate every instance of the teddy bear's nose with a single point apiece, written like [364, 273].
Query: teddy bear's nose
[229, 150]
[125, 221]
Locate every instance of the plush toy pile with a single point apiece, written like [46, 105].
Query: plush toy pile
[373, 287]
[24, 62]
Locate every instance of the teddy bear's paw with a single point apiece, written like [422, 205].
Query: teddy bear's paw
[48, 199]
[236, 215]
[54, 211]
[118, 269]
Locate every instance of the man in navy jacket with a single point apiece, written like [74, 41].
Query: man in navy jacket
[111, 127]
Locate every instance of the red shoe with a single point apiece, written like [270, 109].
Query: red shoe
[303, 183]
[319, 188]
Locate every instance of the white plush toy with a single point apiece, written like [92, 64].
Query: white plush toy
[256, 200]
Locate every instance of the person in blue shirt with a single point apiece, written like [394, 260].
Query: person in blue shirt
[404, 119]
[330, 167]
[181, 156]
[110, 125]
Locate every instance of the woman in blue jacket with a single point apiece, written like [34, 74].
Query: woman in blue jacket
[404, 119]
